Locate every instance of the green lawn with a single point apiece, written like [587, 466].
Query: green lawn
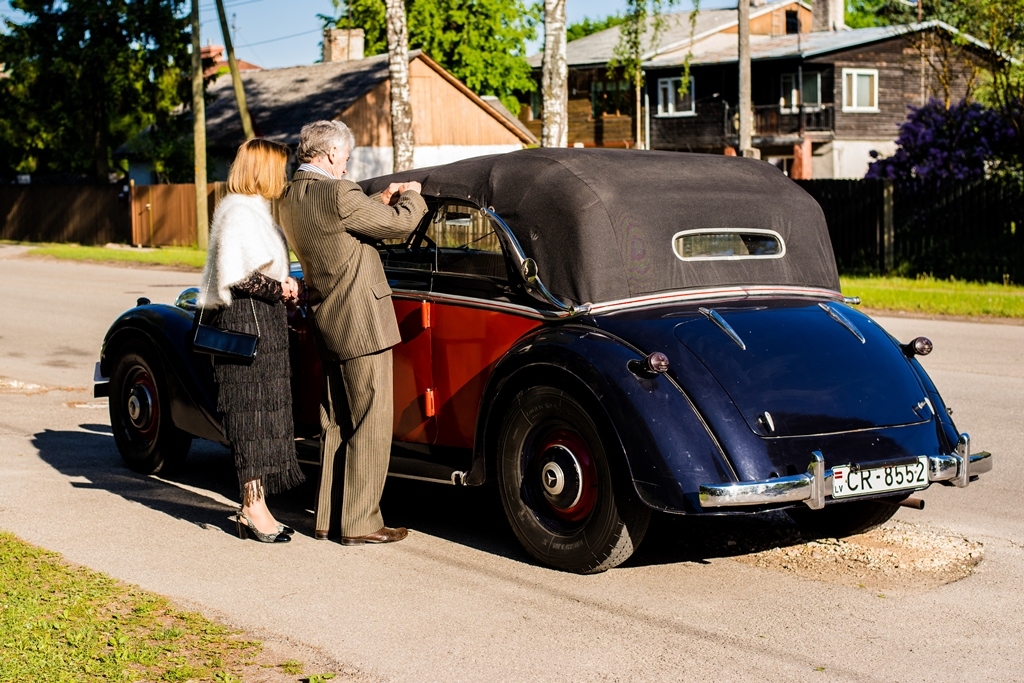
[179, 257]
[937, 297]
[60, 622]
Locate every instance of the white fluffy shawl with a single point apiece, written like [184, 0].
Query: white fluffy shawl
[243, 238]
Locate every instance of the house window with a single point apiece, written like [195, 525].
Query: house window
[611, 98]
[792, 96]
[670, 102]
[792, 22]
[860, 90]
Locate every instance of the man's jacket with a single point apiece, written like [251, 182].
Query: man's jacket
[329, 224]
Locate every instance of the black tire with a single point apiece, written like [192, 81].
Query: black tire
[140, 414]
[843, 519]
[587, 517]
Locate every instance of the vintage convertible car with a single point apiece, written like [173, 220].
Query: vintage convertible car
[604, 333]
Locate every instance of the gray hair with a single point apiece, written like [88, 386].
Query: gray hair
[316, 139]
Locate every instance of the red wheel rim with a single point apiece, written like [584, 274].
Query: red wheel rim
[568, 475]
[142, 406]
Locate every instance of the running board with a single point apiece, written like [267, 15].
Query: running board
[420, 470]
[403, 467]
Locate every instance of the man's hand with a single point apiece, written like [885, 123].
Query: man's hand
[289, 290]
[395, 189]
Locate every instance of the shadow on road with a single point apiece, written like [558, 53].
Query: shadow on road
[469, 516]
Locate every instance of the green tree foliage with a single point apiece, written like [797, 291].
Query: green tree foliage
[584, 28]
[640, 31]
[865, 13]
[85, 76]
[481, 42]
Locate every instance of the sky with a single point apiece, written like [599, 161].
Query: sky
[276, 33]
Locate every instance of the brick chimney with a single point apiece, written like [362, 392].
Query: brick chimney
[343, 44]
[829, 15]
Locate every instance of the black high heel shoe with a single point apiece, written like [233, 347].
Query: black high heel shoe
[247, 527]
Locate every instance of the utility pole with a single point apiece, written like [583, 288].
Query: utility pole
[746, 107]
[236, 78]
[199, 133]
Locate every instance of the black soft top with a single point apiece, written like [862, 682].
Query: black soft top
[600, 223]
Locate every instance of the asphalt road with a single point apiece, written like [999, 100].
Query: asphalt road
[459, 600]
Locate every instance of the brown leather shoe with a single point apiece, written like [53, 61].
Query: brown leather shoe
[383, 535]
[320, 535]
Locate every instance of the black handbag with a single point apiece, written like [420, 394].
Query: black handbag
[225, 344]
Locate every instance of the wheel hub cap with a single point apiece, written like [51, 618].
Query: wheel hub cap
[561, 477]
[140, 406]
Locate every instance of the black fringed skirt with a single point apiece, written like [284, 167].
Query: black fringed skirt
[256, 399]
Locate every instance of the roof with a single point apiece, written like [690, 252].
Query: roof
[281, 101]
[601, 223]
[806, 45]
[499, 107]
[599, 48]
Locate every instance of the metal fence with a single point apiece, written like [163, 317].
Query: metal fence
[971, 231]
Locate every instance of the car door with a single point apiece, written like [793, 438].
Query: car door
[470, 329]
[409, 270]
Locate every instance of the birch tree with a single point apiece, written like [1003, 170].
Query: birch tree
[555, 77]
[398, 68]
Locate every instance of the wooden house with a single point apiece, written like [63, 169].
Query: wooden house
[823, 99]
[450, 122]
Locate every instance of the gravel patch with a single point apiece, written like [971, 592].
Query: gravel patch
[895, 556]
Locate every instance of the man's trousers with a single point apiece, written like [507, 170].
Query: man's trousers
[356, 411]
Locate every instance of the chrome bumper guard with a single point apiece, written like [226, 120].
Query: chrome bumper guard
[812, 487]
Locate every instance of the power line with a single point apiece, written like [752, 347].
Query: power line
[274, 40]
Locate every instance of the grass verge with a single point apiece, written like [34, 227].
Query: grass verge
[937, 297]
[177, 257]
[60, 622]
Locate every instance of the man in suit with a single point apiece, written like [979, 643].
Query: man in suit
[329, 222]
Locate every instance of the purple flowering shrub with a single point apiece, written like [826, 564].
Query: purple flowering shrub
[937, 145]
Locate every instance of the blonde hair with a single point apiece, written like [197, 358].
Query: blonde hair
[259, 168]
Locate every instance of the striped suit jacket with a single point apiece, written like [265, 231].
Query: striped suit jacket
[328, 223]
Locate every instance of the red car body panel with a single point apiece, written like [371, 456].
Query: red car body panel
[441, 368]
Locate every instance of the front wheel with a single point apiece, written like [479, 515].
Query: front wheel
[140, 416]
[564, 486]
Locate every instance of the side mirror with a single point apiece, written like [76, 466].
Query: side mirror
[529, 271]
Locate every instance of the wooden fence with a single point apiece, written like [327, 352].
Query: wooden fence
[84, 214]
[971, 231]
[148, 215]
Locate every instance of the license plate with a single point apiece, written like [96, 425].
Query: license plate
[848, 481]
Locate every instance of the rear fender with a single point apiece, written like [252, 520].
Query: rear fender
[189, 377]
[669, 450]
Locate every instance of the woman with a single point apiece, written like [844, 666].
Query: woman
[246, 280]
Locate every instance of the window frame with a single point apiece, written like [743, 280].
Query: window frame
[663, 110]
[725, 231]
[783, 109]
[442, 212]
[853, 108]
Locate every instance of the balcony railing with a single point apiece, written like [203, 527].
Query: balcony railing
[774, 120]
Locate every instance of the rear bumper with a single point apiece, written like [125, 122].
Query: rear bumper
[815, 485]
